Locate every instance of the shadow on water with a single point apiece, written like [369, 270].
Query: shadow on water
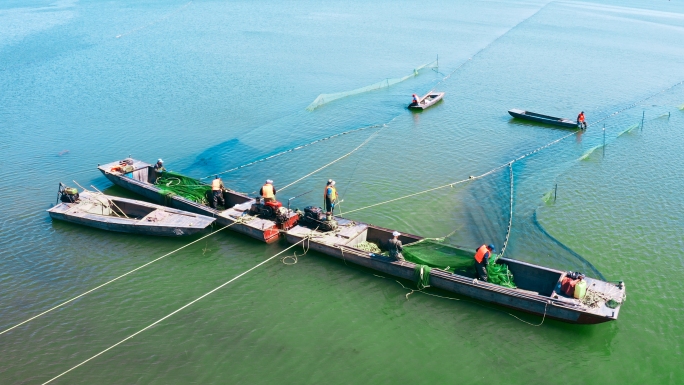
[525, 123]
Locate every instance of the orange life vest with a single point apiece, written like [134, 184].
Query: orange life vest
[267, 191]
[216, 184]
[580, 118]
[480, 254]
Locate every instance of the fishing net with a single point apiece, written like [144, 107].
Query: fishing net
[327, 98]
[435, 253]
[171, 183]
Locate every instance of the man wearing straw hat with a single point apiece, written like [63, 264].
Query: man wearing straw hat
[395, 247]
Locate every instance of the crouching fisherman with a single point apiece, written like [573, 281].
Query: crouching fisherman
[482, 260]
[217, 192]
[395, 248]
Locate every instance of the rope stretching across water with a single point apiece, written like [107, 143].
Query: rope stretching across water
[115, 279]
[172, 313]
[510, 220]
[292, 150]
[334, 161]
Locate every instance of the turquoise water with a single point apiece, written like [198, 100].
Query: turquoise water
[208, 86]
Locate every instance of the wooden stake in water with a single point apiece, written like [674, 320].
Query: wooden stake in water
[604, 139]
[555, 192]
[643, 114]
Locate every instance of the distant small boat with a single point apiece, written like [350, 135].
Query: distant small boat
[427, 101]
[527, 115]
[125, 215]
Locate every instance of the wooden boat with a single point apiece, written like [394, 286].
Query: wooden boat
[537, 289]
[539, 118]
[429, 100]
[140, 177]
[128, 216]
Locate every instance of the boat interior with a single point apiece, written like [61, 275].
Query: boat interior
[144, 172]
[100, 205]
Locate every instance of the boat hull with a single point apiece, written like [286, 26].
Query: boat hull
[129, 227]
[266, 232]
[539, 118]
[129, 216]
[427, 101]
[521, 300]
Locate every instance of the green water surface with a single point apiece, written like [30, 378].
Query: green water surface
[208, 86]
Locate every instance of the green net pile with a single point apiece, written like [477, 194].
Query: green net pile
[434, 253]
[172, 183]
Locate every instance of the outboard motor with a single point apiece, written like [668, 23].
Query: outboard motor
[269, 210]
[68, 194]
[315, 217]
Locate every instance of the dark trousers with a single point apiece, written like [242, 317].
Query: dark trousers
[217, 196]
[481, 270]
[329, 205]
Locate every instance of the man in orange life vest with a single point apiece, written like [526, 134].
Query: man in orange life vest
[268, 191]
[415, 99]
[581, 123]
[482, 260]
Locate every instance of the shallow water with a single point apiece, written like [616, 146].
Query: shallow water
[210, 86]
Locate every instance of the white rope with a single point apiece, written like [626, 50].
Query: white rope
[169, 315]
[334, 161]
[112, 280]
[292, 150]
[510, 220]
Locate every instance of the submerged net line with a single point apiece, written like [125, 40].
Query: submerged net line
[488, 45]
[327, 98]
[636, 104]
[471, 178]
[294, 149]
[334, 161]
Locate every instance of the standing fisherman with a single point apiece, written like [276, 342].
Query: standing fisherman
[482, 260]
[395, 248]
[217, 192]
[330, 196]
[268, 191]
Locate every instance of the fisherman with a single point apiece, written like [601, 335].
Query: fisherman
[330, 196]
[159, 166]
[482, 260]
[581, 123]
[268, 191]
[217, 192]
[415, 99]
[395, 248]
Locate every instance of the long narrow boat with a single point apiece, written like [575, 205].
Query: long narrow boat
[427, 101]
[537, 288]
[539, 118]
[139, 177]
[128, 216]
